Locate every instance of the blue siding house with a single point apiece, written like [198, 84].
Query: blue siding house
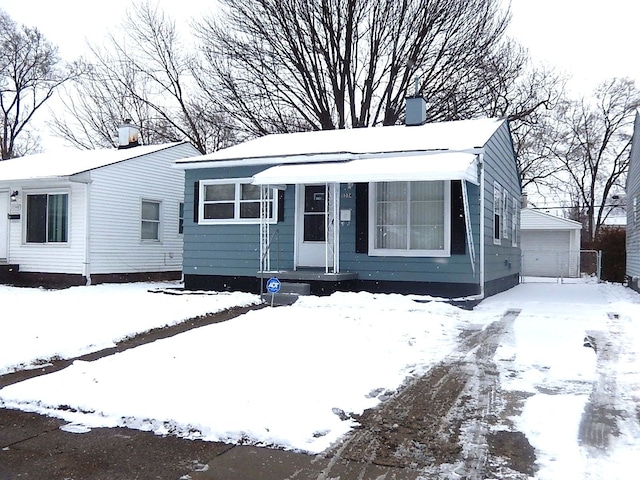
[426, 209]
[633, 210]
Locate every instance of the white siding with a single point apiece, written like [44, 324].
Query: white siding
[550, 245]
[4, 224]
[116, 197]
[534, 220]
[550, 253]
[51, 257]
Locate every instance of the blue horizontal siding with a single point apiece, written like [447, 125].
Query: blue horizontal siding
[234, 249]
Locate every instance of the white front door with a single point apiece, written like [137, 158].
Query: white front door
[4, 224]
[311, 226]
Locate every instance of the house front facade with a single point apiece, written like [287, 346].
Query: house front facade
[428, 209]
[83, 217]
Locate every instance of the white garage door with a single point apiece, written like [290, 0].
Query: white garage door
[548, 254]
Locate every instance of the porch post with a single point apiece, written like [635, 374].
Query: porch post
[332, 227]
[265, 257]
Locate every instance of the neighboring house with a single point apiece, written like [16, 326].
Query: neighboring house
[550, 245]
[633, 209]
[421, 208]
[92, 216]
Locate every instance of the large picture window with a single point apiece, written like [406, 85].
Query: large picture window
[233, 202]
[410, 218]
[47, 218]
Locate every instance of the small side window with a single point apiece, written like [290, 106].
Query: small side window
[150, 220]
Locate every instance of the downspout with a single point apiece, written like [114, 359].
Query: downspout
[87, 236]
[482, 232]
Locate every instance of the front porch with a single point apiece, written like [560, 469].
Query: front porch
[312, 281]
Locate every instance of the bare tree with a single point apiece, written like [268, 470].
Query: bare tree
[287, 65]
[594, 151]
[30, 73]
[145, 76]
[510, 86]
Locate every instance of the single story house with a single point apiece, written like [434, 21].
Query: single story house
[550, 245]
[80, 217]
[422, 208]
[633, 210]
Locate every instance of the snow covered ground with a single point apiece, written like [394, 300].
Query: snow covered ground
[282, 376]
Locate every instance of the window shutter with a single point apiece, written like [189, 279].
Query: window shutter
[280, 205]
[196, 201]
[362, 218]
[458, 227]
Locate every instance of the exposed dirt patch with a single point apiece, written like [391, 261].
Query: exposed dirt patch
[442, 421]
[514, 449]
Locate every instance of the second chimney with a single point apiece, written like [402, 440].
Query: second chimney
[128, 135]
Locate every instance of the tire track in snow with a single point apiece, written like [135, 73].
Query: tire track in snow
[419, 428]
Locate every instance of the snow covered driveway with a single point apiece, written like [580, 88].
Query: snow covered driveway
[301, 377]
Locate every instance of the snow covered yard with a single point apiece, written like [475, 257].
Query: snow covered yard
[291, 377]
[38, 324]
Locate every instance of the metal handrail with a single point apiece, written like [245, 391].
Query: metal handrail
[264, 255]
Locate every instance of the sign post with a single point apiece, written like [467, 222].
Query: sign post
[273, 287]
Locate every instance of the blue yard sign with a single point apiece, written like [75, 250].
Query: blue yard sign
[273, 285]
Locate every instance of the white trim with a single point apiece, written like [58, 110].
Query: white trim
[514, 222]
[383, 252]
[238, 182]
[44, 191]
[497, 214]
[505, 216]
[407, 168]
[159, 221]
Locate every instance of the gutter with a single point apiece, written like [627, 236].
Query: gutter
[87, 249]
[482, 232]
[195, 163]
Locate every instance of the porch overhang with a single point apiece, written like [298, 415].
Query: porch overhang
[435, 166]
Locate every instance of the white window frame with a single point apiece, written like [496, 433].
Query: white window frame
[147, 220]
[238, 182]
[180, 218]
[387, 252]
[505, 214]
[47, 192]
[497, 213]
[515, 214]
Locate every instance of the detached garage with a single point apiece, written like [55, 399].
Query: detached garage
[550, 245]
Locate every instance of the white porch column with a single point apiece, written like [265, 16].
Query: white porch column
[265, 256]
[332, 227]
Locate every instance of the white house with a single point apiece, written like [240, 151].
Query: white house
[550, 245]
[93, 216]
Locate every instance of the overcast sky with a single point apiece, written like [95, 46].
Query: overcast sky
[590, 39]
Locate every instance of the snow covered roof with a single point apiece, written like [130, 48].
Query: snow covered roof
[536, 220]
[72, 162]
[436, 166]
[351, 144]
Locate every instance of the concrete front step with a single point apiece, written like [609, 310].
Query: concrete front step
[288, 293]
